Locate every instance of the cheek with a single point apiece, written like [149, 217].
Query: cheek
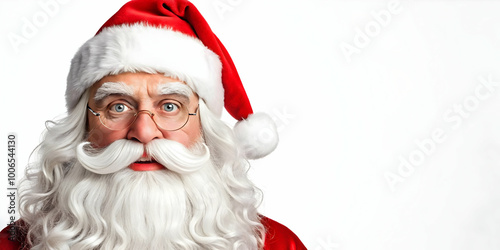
[188, 135]
[194, 132]
[194, 136]
[101, 137]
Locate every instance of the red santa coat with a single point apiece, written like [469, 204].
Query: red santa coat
[278, 237]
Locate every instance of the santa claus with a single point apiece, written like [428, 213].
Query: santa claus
[142, 160]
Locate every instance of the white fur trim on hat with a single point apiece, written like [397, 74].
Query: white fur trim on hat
[143, 48]
[257, 135]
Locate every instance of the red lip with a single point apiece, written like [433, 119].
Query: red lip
[146, 166]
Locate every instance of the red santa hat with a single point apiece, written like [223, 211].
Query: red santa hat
[172, 37]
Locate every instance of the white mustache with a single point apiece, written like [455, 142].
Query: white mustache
[121, 153]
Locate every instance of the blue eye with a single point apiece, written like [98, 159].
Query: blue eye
[119, 107]
[170, 107]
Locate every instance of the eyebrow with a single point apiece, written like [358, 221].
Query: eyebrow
[113, 88]
[175, 88]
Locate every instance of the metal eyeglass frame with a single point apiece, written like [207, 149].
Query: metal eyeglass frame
[151, 114]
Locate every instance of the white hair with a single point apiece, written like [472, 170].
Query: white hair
[121, 153]
[68, 206]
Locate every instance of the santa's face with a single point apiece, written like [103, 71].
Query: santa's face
[149, 93]
[200, 197]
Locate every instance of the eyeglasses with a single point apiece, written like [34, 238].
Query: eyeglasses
[119, 116]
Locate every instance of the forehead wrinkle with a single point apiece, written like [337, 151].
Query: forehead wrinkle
[178, 88]
[113, 88]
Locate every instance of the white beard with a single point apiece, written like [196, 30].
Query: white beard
[202, 209]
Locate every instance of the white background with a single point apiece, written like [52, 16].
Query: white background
[345, 121]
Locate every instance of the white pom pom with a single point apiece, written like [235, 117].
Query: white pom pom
[257, 135]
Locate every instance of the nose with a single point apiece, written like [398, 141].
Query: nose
[144, 128]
